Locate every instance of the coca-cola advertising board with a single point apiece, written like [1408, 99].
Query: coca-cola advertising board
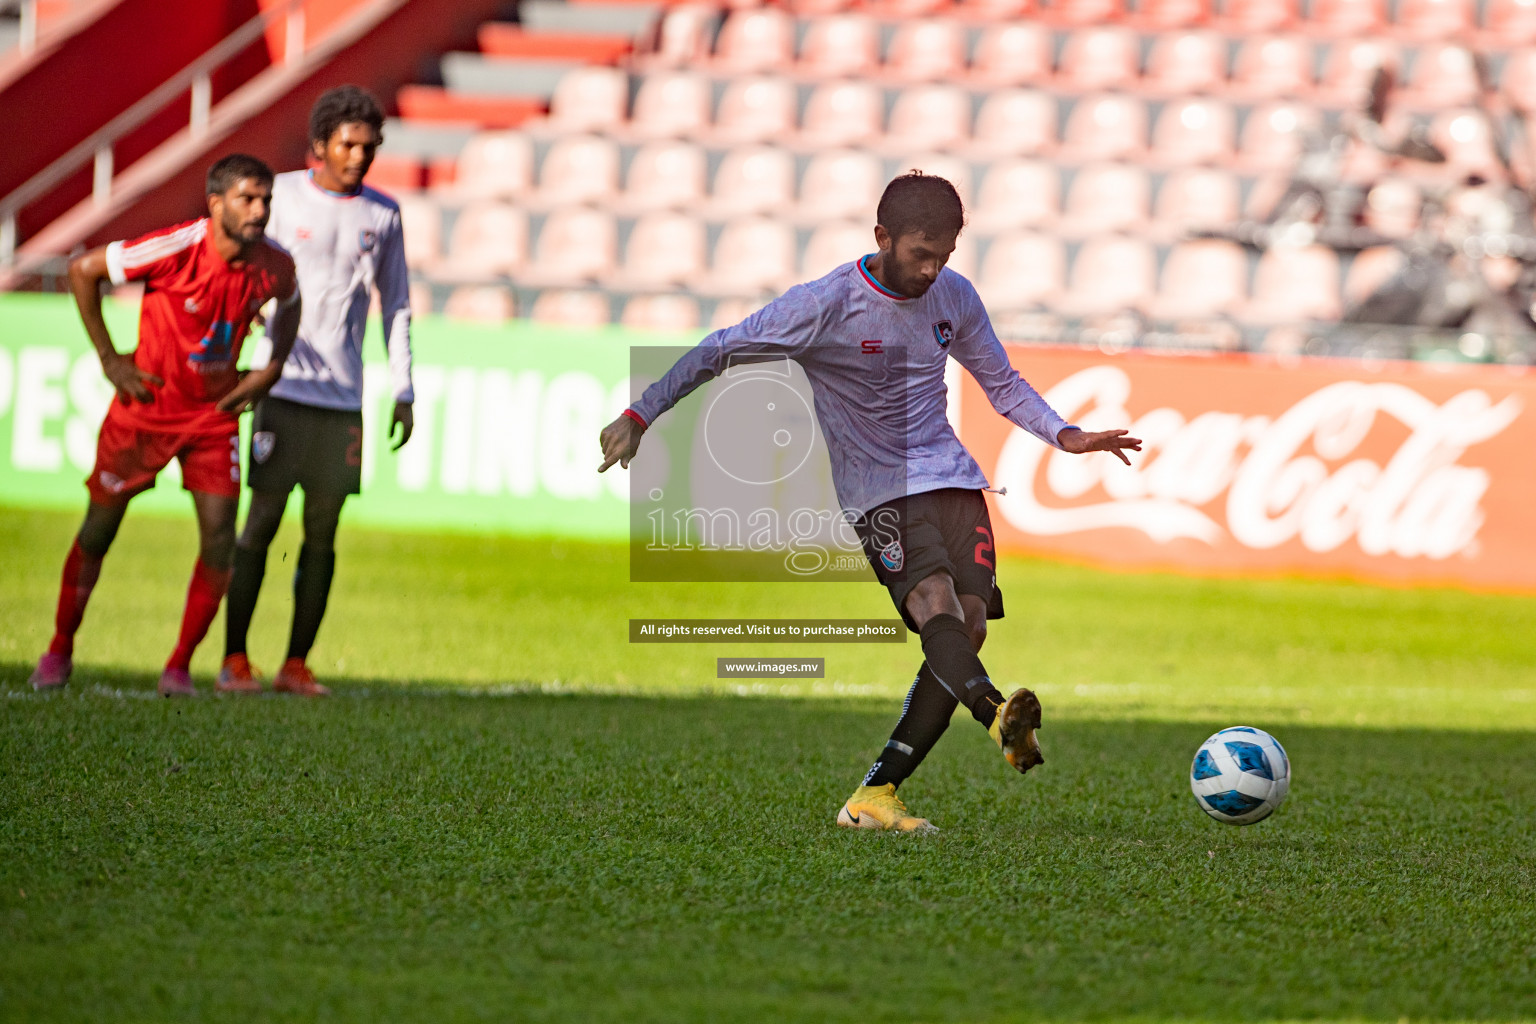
[1399, 472]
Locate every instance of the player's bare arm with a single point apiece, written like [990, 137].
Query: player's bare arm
[620, 440]
[1079, 442]
[85, 276]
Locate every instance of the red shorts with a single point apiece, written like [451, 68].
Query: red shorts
[128, 460]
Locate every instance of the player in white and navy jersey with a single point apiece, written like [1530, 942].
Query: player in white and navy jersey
[873, 338]
[346, 242]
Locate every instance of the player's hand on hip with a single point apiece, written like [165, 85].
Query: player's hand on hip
[405, 419]
[253, 386]
[130, 381]
[620, 440]
[1078, 442]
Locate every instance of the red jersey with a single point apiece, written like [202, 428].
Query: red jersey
[196, 313]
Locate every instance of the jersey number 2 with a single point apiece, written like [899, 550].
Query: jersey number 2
[984, 548]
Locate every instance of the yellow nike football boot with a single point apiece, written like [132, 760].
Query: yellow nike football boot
[1014, 730]
[879, 807]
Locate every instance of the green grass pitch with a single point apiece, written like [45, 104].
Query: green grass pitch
[509, 813]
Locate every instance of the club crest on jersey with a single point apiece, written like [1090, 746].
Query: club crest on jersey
[262, 443]
[943, 333]
[892, 557]
[190, 306]
[366, 240]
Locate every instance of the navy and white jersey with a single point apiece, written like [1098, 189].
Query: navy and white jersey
[875, 361]
[344, 246]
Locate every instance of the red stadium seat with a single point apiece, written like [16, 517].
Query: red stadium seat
[422, 222]
[683, 37]
[817, 8]
[987, 12]
[661, 313]
[1015, 122]
[927, 50]
[1100, 58]
[1273, 135]
[754, 256]
[488, 240]
[951, 168]
[1187, 62]
[570, 308]
[1017, 193]
[482, 303]
[902, 10]
[1271, 67]
[1369, 270]
[589, 99]
[1111, 275]
[1105, 198]
[664, 250]
[664, 175]
[753, 179]
[1511, 22]
[1518, 83]
[1444, 75]
[1193, 199]
[756, 109]
[575, 245]
[1022, 270]
[759, 39]
[1350, 67]
[1436, 19]
[1194, 131]
[1160, 15]
[1295, 284]
[1014, 53]
[1086, 12]
[841, 183]
[841, 45]
[930, 117]
[578, 169]
[494, 165]
[1348, 17]
[731, 311]
[1203, 278]
[1466, 139]
[1393, 206]
[1108, 127]
[843, 113]
[670, 104]
[834, 244]
[1244, 17]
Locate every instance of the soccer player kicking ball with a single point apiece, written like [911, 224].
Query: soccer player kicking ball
[346, 239]
[873, 338]
[178, 394]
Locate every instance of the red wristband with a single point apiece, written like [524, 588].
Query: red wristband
[637, 418]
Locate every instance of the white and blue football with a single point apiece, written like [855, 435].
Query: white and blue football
[1240, 775]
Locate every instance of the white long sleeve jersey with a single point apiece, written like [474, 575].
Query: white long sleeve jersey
[344, 246]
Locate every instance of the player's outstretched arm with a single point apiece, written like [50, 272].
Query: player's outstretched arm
[282, 329]
[1076, 441]
[620, 440]
[85, 276]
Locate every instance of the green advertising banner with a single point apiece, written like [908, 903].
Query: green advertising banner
[507, 419]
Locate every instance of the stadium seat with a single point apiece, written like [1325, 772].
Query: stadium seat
[927, 50]
[1100, 58]
[1436, 19]
[753, 179]
[682, 37]
[1369, 270]
[729, 312]
[494, 165]
[1015, 122]
[903, 10]
[841, 45]
[576, 244]
[422, 222]
[1295, 284]
[753, 256]
[578, 169]
[1086, 12]
[754, 40]
[661, 313]
[817, 8]
[963, 260]
[1245, 17]
[1203, 278]
[989, 12]
[1105, 198]
[1466, 139]
[1016, 193]
[834, 244]
[664, 175]
[1347, 17]
[1022, 270]
[1444, 75]
[1195, 199]
[1273, 67]
[1351, 65]
[1161, 15]
[1511, 22]
[1393, 206]
[1107, 127]
[664, 250]
[1518, 82]
[570, 308]
[1187, 62]
[480, 303]
[841, 184]
[589, 99]
[488, 240]
[1111, 275]
[1193, 131]
[930, 117]
[1273, 135]
[1014, 53]
[842, 114]
[951, 168]
[756, 108]
[670, 104]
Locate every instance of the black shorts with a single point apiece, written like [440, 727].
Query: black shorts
[909, 539]
[320, 450]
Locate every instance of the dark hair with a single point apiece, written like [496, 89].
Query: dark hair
[920, 202]
[343, 105]
[236, 167]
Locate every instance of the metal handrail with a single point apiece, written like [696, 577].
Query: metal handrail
[196, 77]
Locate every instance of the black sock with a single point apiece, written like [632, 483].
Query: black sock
[924, 717]
[947, 646]
[240, 604]
[311, 588]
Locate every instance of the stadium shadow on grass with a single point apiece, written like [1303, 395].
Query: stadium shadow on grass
[556, 857]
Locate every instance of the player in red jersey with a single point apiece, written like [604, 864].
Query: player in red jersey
[179, 394]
